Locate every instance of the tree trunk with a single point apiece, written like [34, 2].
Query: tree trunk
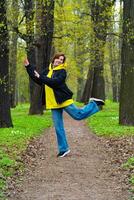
[5, 115]
[97, 46]
[98, 86]
[13, 53]
[39, 55]
[44, 32]
[88, 86]
[126, 111]
[80, 85]
[35, 90]
[100, 14]
[80, 80]
[114, 55]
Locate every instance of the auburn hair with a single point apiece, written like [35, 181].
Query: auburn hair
[57, 55]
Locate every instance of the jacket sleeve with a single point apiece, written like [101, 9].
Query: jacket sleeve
[54, 82]
[30, 70]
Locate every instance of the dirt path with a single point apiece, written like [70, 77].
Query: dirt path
[82, 175]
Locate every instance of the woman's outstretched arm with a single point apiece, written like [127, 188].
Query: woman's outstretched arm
[53, 82]
[31, 71]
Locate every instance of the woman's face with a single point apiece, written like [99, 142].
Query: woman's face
[61, 59]
[56, 62]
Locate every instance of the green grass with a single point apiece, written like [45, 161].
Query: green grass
[106, 122]
[13, 141]
[25, 127]
[129, 163]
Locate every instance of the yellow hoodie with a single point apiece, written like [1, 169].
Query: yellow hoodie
[50, 98]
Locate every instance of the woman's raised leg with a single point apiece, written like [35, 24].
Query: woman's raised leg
[82, 113]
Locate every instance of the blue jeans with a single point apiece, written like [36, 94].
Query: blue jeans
[76, 113]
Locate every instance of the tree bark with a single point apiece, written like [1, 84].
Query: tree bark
[99, 16]
[115, 68]
[35, 106]
[13, 53]
[39, 46]
[115, 55]
[98, 85]
[126, 110]
[44, 32]
[80, 85]
[88, 86]
[5, 115]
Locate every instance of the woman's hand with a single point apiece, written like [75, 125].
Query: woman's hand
[36, 74]
[26, 62]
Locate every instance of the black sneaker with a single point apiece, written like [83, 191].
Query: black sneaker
[99, 102]
[63, 154]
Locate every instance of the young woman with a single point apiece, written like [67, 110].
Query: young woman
[58, 98]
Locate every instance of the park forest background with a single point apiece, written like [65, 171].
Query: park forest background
[97, 36]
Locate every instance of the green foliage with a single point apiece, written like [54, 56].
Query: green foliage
[106, 122]
[72, 31]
